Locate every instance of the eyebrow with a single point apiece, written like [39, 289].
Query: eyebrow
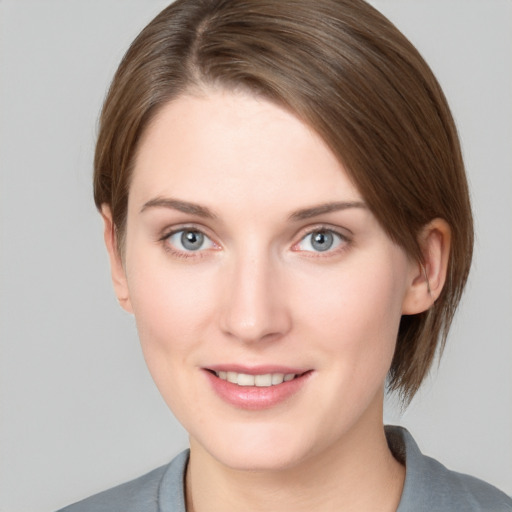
[182, 206]
[203, 211]
[321, 209]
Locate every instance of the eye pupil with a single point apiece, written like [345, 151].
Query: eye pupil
[322, 240]
[192, 240]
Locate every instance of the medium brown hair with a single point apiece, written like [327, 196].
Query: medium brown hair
[345, 70]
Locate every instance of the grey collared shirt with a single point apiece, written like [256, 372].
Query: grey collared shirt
[429, 487]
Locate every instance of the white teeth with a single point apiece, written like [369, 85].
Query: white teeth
[277, 378]
[264, 380]
[245, 380]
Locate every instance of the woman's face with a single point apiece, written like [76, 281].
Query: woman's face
[251, 259]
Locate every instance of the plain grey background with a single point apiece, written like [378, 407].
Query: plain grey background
[79, 411]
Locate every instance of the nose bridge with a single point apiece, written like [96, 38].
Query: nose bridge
[254, 309]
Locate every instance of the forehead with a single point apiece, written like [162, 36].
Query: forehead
[231, 148]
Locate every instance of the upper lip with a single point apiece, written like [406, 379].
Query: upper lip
[256, 370]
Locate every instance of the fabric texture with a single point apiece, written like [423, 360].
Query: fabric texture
[429, 487]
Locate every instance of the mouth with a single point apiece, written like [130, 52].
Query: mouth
[261, 389]
[263, 380]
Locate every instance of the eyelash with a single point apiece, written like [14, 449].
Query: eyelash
[168, 247]
[343, 241]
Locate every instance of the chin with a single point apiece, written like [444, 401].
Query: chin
[256, 459]
[258, 447]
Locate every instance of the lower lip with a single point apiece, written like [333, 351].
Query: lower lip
[255, 397]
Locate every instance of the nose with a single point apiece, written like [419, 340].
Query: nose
[254, 305]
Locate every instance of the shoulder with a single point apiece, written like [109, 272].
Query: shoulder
[430, 486]
[144, 494]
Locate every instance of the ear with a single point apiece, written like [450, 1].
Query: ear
[427, 279]
[116, 263]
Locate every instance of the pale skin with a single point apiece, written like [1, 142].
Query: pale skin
[259, 185]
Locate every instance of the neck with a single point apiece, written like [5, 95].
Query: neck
[357, 473]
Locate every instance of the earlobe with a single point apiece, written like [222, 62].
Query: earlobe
[428, 277]
[116, 264]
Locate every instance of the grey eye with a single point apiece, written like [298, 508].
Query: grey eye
[322, 240]
[189, 240]
[192, 240]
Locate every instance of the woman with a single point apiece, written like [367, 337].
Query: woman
[287, 217]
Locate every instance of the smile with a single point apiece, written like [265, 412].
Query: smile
[264, 380]
[262, 388]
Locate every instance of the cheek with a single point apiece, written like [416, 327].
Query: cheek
[172, 307]
[171, 303]
[354, 311]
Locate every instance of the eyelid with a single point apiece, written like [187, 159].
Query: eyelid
[170, 231]
[186, 226]
[345, 239]
[343, 232]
